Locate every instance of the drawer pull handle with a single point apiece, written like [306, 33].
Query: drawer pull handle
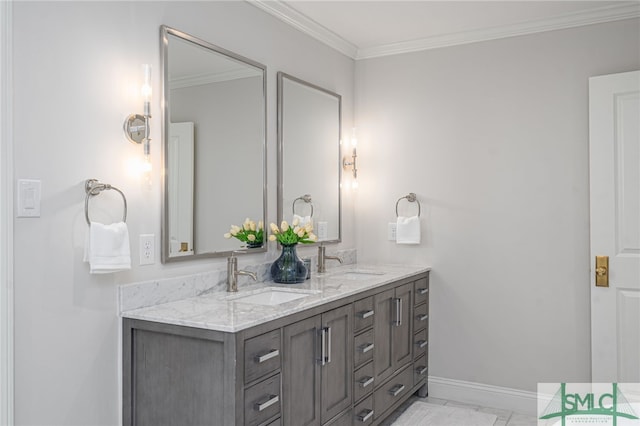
[366, 381]
[365, 314]
[272, 399]
[421, 370]
[365, 415]
[396, 390]
[271, 354]
[366, 347]
[423, 291]
[422, 343]
[423, 317]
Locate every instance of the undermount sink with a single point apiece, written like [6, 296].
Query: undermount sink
[271, 296]
[357, 274]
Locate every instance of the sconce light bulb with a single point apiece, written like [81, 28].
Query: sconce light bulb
[146, 165]
[354, 142]
[146, 85]
[354, 184]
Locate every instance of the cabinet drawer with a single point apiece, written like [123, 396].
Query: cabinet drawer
[363, 412]
[276, 422]
[363, 348]
[363, 317]
[262, 401]
[261, 355]
[420, 343]
[421, 290]
[363, 381]
[420, 317]
[392, 391]
[420, 369]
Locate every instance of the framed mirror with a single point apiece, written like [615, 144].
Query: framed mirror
[214, 149]
[309, 172]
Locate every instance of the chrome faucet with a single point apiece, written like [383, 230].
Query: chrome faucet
[322, 257]
[232, 274]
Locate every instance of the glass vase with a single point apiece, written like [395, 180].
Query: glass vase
[288, 268]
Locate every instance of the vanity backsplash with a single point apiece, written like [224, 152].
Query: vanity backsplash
[155, 292]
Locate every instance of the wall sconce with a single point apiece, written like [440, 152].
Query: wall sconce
[136, 126]
[349, 162]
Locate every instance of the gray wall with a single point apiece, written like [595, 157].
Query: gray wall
[76, 70]
[493, 138]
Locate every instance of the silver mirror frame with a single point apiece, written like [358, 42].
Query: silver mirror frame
[280, 76]
[165, 31]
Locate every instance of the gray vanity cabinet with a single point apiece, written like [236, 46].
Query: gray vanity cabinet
[318, 367]
[350, 361]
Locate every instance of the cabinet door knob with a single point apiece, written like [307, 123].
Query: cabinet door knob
[271, 354]
[421, 370]
[422, 343]
[364, 415]
[423, 317]
[396, 390]
[271, 399]
[423, 290]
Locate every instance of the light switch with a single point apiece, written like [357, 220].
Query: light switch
[29, 193]
[323, 231]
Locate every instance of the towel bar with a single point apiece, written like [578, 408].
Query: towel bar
[92, 187]
[307, 199]
[411, 197]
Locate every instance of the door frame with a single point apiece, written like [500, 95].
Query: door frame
[6, 216]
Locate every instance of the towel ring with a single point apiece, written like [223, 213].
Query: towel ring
[411, 197]
[307, 199]
[92, 187]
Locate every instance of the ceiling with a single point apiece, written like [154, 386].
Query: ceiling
[364, 29]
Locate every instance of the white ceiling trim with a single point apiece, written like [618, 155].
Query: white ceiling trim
[593, 16]
[308, 26]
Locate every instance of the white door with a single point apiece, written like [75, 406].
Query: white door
[180, 182]
[614, 151]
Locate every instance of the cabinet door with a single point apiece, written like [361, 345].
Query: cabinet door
[337, 370]
[403, 327]
[301, 373]
[383, 323]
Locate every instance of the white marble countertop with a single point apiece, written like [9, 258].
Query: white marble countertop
[224, 311]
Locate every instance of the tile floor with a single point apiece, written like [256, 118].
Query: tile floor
[505, 417]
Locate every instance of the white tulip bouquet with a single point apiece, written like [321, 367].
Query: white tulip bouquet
[250, 232]
[293, 234]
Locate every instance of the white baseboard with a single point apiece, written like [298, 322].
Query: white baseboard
[519, 401]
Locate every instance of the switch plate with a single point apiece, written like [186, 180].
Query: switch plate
[29, 194]
[391, 231]
[147, 249]
[323, 233]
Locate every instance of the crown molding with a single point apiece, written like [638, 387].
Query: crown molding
[308, 26]
[592, 16]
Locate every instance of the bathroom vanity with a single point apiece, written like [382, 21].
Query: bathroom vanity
[344, 348]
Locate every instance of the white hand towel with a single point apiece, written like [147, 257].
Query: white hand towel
[107, 248]
[302, 220]
[408, 230]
